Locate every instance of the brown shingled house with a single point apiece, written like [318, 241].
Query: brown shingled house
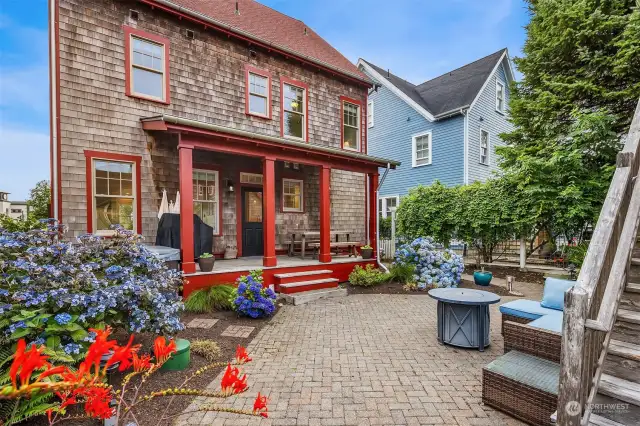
[255, 119]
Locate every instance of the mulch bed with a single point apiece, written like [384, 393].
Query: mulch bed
[148, 413]
[502, 272]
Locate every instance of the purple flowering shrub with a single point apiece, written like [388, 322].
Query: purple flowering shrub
[52, 291]
[250, 298]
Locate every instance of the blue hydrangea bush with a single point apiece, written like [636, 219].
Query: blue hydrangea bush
[52, 290]
[251, 298]
[433, 268]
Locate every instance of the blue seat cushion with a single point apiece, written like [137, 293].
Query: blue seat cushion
[551, 322]
[524, 308]
[554, 289]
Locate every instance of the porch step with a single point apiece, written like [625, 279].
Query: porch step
[596, 420]
[297, 287]
[628, 316]
[625, 350]
[293, 277]
[621, 389]
[633, 288]
[313, 295]
[623, 360]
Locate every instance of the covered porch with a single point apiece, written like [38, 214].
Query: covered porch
[258, 190]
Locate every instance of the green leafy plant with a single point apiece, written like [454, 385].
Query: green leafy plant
[39, 201]
[17, 225]
[402, 273]
[206, 348]
[206, 256]
[576, 254]
[216, 298]
[368, 277]
[367, 247]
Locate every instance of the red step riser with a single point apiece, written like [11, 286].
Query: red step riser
[313, 277]
[302, 288]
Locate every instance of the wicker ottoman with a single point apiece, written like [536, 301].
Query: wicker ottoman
[523, 386]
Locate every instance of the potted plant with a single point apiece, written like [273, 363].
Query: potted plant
[206, 262]
[366, 252]
[482, 277]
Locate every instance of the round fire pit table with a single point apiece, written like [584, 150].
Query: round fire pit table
[463, 316]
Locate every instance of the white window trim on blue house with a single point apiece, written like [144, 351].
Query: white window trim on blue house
[414, 158]
[500, 84]
[369, 114]
[488, 155]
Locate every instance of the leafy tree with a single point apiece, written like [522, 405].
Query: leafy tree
[580, 87]
[39, 201]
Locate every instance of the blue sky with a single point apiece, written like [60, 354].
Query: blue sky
[416, 39]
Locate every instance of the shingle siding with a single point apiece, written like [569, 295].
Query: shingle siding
[395, 122]
[483, 116]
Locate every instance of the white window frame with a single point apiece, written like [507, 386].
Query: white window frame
[357, 127]
[303, 114]
[216, 230]
[291, 209]
[382, 203]
[369, 114]
[163, 72]
[134, 196]
[414, 140]
[488, 160]
[266, 97]
[500, 84]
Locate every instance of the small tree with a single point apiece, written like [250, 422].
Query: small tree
[39, 201]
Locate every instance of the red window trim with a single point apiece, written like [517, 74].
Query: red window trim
[344, 99]
[211, 167]
[248, 69]
[296, 83]
[128, 33]
[136, 159]
[297, 178]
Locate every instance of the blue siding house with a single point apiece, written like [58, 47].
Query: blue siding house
[444, 129]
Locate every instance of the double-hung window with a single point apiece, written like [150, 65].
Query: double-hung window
[484, 147]
[294, 109]
[258, 96]
[206, 197]
[421, 149]
[147, 65]
[292, 195]
[114, 198]
[499, 96]
[350, 126]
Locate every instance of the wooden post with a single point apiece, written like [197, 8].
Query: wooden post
[185, 159]
[523, 253]
[571, 389]
[325, 215]
[373, 208]
[269, 212]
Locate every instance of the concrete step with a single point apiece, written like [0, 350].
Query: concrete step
[293, 277]
[313, 295]
[301, 286]
[621, 389]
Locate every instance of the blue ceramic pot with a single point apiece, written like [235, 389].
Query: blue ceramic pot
[482, 278]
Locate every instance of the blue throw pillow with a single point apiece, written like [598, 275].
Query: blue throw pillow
[553, 296]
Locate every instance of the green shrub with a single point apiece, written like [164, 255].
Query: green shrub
[402, 273]
[216, 298]
[576, 254]
[10, 224]
[208, 349]
[367, 277]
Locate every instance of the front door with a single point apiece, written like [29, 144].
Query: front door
[252, 244]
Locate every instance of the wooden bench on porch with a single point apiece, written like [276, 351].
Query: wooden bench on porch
[349, 245]
[307, 239]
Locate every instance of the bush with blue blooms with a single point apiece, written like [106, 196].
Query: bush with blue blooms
[52, 291]
[251, 298]
[433, 268]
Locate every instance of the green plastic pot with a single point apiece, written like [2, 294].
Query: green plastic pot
[180, 359]
[482, 278]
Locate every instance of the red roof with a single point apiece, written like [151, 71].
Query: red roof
[273, 27]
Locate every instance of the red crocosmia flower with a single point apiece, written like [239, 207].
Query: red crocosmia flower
[66, 399]
[53, 372]
[241, 355]
[141, 363]
[232, 382]
[162, 350]
[123, 355]
[97, 401]
[260, 405]
[240, 385]
[100, 347]
[26, 362]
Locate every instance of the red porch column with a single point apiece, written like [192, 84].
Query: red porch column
[325, 215]
[373, 213]
[269, 211]
[185, 167]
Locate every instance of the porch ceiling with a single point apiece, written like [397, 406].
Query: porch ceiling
[172, 123]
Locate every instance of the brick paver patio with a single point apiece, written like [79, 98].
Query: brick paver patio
[362, 360]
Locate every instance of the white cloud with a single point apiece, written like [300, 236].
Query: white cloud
[25, 160]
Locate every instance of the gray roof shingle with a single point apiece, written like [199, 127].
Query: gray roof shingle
[453, 90]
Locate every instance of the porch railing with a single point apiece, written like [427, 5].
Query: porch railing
[590, 307]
